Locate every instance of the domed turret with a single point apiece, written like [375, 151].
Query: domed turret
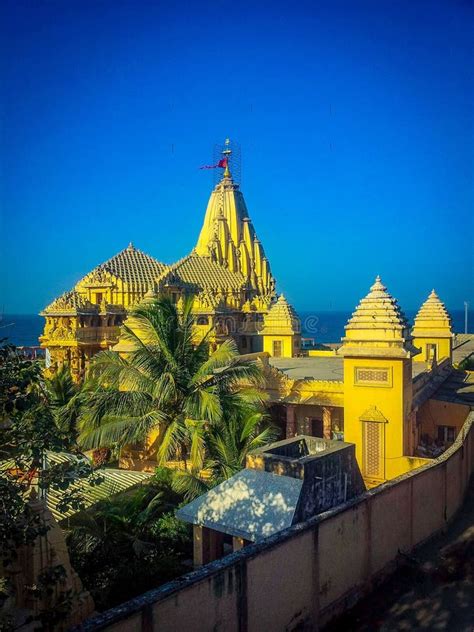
[432, 331]
[378, 327]
[282, 330]
[378, 350]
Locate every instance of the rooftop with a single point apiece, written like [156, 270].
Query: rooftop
[463, 347]
[458, 388]
[252, 504]
[325, 369]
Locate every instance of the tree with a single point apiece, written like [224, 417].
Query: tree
[29, 435]
[130, 543]
[64, 398]
[227, 445]
[167, 382]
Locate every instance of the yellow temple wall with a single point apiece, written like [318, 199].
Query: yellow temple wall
[322, 353]
[443, 348]
[287, 347]
[337, 558]
[393, 400]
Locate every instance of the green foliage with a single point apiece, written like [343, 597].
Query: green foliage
[467, 364]
[29, 435]
[226, 446]
[167, 382]
[64, 398]
[130, 543]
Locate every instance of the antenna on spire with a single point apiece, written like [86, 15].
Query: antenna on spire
[230, 150]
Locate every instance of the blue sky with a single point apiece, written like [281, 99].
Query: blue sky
[355, 121]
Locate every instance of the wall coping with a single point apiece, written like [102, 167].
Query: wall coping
[135, 605]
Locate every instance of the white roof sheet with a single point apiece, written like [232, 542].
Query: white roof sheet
[253, 505]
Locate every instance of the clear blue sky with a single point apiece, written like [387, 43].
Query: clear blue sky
[355, 121]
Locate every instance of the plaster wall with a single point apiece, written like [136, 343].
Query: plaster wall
[434, 413]
[305, 575]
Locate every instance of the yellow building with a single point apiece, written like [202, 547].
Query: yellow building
[432, 332]
[370, 392]
[227, 272]
[377, 351]
[282, 330]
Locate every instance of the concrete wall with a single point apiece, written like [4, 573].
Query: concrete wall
[434, 413]
[302, 577]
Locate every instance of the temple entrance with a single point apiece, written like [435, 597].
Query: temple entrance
[277, 348]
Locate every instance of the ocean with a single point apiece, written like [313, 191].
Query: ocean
[323, 326]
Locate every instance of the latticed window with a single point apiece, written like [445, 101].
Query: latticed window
[373, 449]
[372, 376]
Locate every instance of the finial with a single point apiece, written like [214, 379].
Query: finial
[226, 152]
[130, 246]
[378, 285]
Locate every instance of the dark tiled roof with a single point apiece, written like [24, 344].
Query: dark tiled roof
[202, 273]
[134, 267]
[70, 302]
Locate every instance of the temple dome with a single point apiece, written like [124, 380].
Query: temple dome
[281, 319]
[134, 267]
[378, 326]
[432, 319]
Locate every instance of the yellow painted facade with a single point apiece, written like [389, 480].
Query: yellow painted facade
[432, 332]
[227, 273]
[377, 352]
[281, 330]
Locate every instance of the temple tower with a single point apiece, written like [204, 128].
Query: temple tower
[377, 351]
[282, 330]
[432, 331]
[229, 238]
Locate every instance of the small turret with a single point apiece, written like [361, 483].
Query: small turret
[378, 392]
[432, 332]
[282, 330]
[378, 327]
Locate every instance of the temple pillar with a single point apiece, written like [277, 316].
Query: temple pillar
[208, 545]
[290, 421]
[327, 422]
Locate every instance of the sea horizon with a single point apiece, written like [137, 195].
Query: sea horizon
[324, 326]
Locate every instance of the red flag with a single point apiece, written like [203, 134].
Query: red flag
[222, 164]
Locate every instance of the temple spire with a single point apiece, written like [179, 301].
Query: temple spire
[228, 236]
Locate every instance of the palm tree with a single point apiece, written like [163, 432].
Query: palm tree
[64, 400]
[167, 382]
[227, 445]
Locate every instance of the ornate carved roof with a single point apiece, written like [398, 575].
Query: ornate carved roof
[70, 303]
[228, 236]
[133, 266]
[432, 317]
[201, 273]
[378, 326]
[281, 319]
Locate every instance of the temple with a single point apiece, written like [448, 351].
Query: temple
[391, 390]
[227, 273]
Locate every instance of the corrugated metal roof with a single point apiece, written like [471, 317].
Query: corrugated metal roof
[115, 481]
[253, 505]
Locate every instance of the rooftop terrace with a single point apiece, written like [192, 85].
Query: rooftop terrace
[325, 369]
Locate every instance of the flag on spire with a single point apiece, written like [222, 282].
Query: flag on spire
[222, 164]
